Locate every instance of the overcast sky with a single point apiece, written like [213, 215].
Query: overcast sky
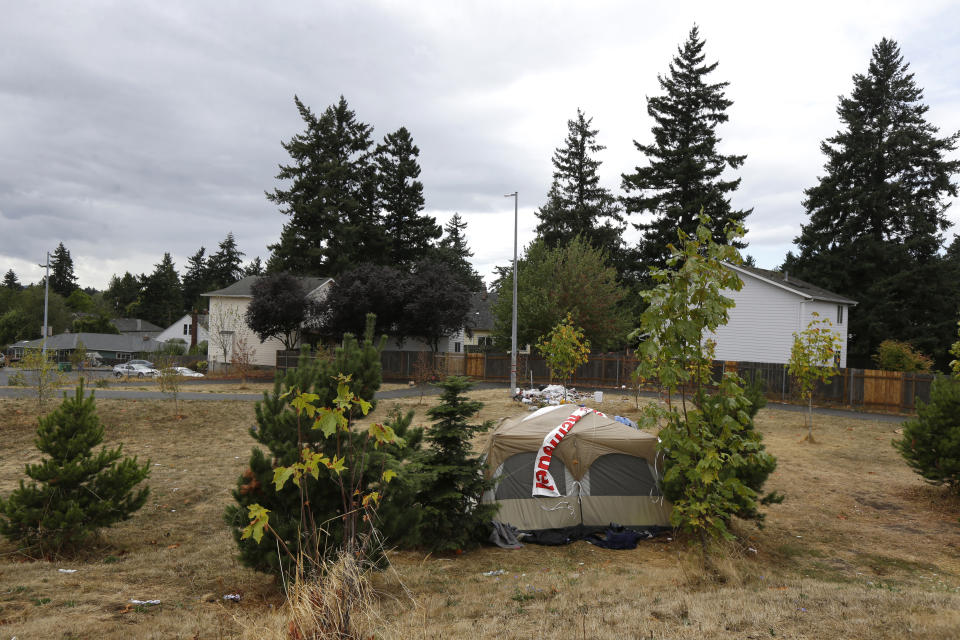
[131, 129]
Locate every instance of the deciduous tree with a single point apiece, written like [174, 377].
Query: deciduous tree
[813, 360]
[576, 279]
[714, 460]
[279, 309]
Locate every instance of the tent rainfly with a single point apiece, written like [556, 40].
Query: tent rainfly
[563, 467]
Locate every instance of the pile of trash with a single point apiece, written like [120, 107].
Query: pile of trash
[552, 395]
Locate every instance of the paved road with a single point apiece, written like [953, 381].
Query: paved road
[185, 394]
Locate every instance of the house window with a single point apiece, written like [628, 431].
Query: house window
[122, 356]
[456, 347]
[839, 314]
[485, 341]
[186, 329]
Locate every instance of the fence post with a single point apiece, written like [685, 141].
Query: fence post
[783, 385]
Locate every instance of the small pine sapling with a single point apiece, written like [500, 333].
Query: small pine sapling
[453, 518]
[74, 490]
[931, 441]
[813, 360]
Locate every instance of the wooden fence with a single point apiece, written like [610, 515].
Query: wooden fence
[862, 388]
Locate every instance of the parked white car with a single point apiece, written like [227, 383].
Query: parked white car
[134, 371]
[186, 372]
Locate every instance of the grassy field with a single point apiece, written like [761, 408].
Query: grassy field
[861, 548]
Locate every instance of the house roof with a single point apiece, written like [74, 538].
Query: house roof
[134, 325]
[480, 317]
[794, 285]
[96, 342]
[242, 288]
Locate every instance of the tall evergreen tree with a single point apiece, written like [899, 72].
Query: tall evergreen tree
[121, 293]
[196, 280]
[161, 299]
[10, 281]
[408, 233]
[255, 268]
[331, 196]
[62, 279]
[878, 215]
[684, 169]
[455, 253]
[226, 265]
[577, 204]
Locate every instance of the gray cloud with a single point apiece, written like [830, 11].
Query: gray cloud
[133, 129]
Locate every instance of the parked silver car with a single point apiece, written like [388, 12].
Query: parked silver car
[128, 370]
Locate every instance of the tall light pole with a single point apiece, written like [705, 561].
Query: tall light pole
[46, 302]
[513, 328]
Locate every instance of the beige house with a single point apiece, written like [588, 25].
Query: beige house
[228, 329]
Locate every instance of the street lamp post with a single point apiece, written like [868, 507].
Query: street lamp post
[46, 302]
[513, 328]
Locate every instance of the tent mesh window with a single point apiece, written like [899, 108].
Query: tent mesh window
[618, 474]
[516, 477]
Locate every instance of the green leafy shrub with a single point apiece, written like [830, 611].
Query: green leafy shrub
[894, 355]
[715, 463]
[452, 516]
[75, 492]
[931, 441]
[281, 433]
[202, 366]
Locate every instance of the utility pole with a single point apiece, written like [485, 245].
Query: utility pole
[46, 304]
[513, 330]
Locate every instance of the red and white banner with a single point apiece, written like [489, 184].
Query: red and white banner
[543, 484]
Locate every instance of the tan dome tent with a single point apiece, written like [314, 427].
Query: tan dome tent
[599, 471]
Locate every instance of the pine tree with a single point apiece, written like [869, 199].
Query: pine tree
[122, 292]
[331, 198]
[10, 281]
[196, 280]
[454, 252]
[255, 268]
[161, 297]
[577, 204]
[74, 491]
[452, 517]
[408, 233]
[684, 170]
[276, 430]
[878, 214]
[62, 279]
[226, 265]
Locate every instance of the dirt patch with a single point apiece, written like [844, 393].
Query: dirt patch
[827, 564]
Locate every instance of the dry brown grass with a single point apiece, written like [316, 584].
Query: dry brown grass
[860, 549]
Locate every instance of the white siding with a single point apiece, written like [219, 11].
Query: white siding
[761, 326]
[763, 322]
[227, 315]
[176, 331]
